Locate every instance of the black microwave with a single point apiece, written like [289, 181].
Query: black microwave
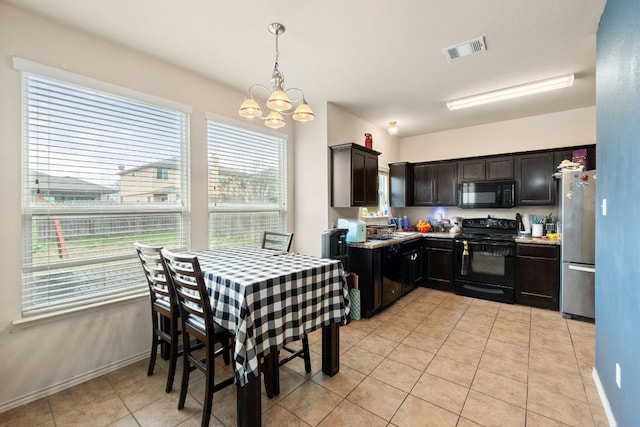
[487, 194]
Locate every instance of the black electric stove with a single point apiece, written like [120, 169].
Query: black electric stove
[484, 259]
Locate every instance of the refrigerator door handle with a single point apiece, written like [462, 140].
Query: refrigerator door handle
[580, 268]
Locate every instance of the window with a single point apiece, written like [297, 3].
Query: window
[383, 189]
[247, 185]
[162, 173]
[89, 191]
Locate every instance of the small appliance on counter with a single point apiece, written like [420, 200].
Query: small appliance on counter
[334, 245]
[357, 230]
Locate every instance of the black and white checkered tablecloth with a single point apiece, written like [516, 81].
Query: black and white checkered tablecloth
[270, 298]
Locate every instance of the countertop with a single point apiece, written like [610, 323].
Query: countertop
[405, 237]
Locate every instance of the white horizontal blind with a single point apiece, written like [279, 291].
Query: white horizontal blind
[247, 185]
[100, 172]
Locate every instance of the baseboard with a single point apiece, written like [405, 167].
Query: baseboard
[603, 399]
[39, 394]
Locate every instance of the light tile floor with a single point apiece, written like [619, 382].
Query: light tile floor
[431, 359]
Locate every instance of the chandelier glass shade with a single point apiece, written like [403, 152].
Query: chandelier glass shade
[278, 102]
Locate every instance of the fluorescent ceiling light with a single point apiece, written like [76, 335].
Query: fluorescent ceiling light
[512, 92]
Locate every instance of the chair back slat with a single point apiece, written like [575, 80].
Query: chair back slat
[154, 272]
[277, 241]
[193, 299]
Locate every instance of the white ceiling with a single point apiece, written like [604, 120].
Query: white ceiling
[381, 60]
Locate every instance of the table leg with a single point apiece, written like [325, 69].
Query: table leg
[271, 374]
[249, 404]
[331, 349]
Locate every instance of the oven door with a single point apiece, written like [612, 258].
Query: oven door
[488, 271]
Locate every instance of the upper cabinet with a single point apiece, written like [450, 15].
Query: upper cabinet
[399, 184]
[486, 169]
[435, 184]
[354, 175]
[534, 179]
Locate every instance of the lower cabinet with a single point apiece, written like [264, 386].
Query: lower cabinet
[538, 275]
[438, 263]
[367, 264]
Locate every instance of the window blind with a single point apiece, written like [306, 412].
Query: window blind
[100, 172]
[247, 185]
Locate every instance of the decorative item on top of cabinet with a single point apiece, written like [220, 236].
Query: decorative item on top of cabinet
[354, 175]
[538, 275]
[534, 179]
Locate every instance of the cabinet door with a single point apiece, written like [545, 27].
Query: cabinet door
[446, 184]
[499, 168]
[439, 268]
[367, 264]
[538, 276]
[471, 170]
[423, 185]
[399, 178]
[358, 178]
[371, 180]
[535, 183]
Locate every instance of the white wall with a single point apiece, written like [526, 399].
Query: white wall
[346, 127]
[563, 129]
[43, 357]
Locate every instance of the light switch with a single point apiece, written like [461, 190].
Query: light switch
[604, 207]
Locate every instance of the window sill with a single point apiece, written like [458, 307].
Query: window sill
[40, 319]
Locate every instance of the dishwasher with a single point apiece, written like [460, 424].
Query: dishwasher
[402, 269]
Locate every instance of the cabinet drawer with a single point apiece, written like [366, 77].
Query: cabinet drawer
[439, 243]
[539, 251]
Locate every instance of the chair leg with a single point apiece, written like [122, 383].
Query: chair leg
[209, 389]
[225, 355]
[186, 369]
[307, 355]
[155, 341]
[173, 358]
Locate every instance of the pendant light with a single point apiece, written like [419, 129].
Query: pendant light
[278, 102]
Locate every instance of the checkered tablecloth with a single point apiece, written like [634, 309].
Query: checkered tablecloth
[270, 298]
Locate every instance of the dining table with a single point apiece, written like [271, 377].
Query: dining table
[267, 299]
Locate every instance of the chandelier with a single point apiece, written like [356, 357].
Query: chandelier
[279, 102]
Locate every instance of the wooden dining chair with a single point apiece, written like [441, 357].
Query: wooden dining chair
[277, 241]
[282, 242]
[199, 331]
[164, 309]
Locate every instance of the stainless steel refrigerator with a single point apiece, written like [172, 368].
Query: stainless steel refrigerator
[578, 222]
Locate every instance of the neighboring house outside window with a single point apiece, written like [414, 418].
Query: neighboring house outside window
[91, 189]
[247, 185]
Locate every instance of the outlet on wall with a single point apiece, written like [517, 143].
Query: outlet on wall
[618, 375]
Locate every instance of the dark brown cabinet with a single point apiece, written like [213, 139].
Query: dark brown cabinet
[438, 263]
[367, 264]
[535, 184]
[354, 175]
[412, 266]
[538, 275]
[399, 184]
[487, 169]
[435, 184]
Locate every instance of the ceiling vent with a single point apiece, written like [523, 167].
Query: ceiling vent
[463, 49]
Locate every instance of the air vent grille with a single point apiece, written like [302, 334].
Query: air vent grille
[470, 47]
